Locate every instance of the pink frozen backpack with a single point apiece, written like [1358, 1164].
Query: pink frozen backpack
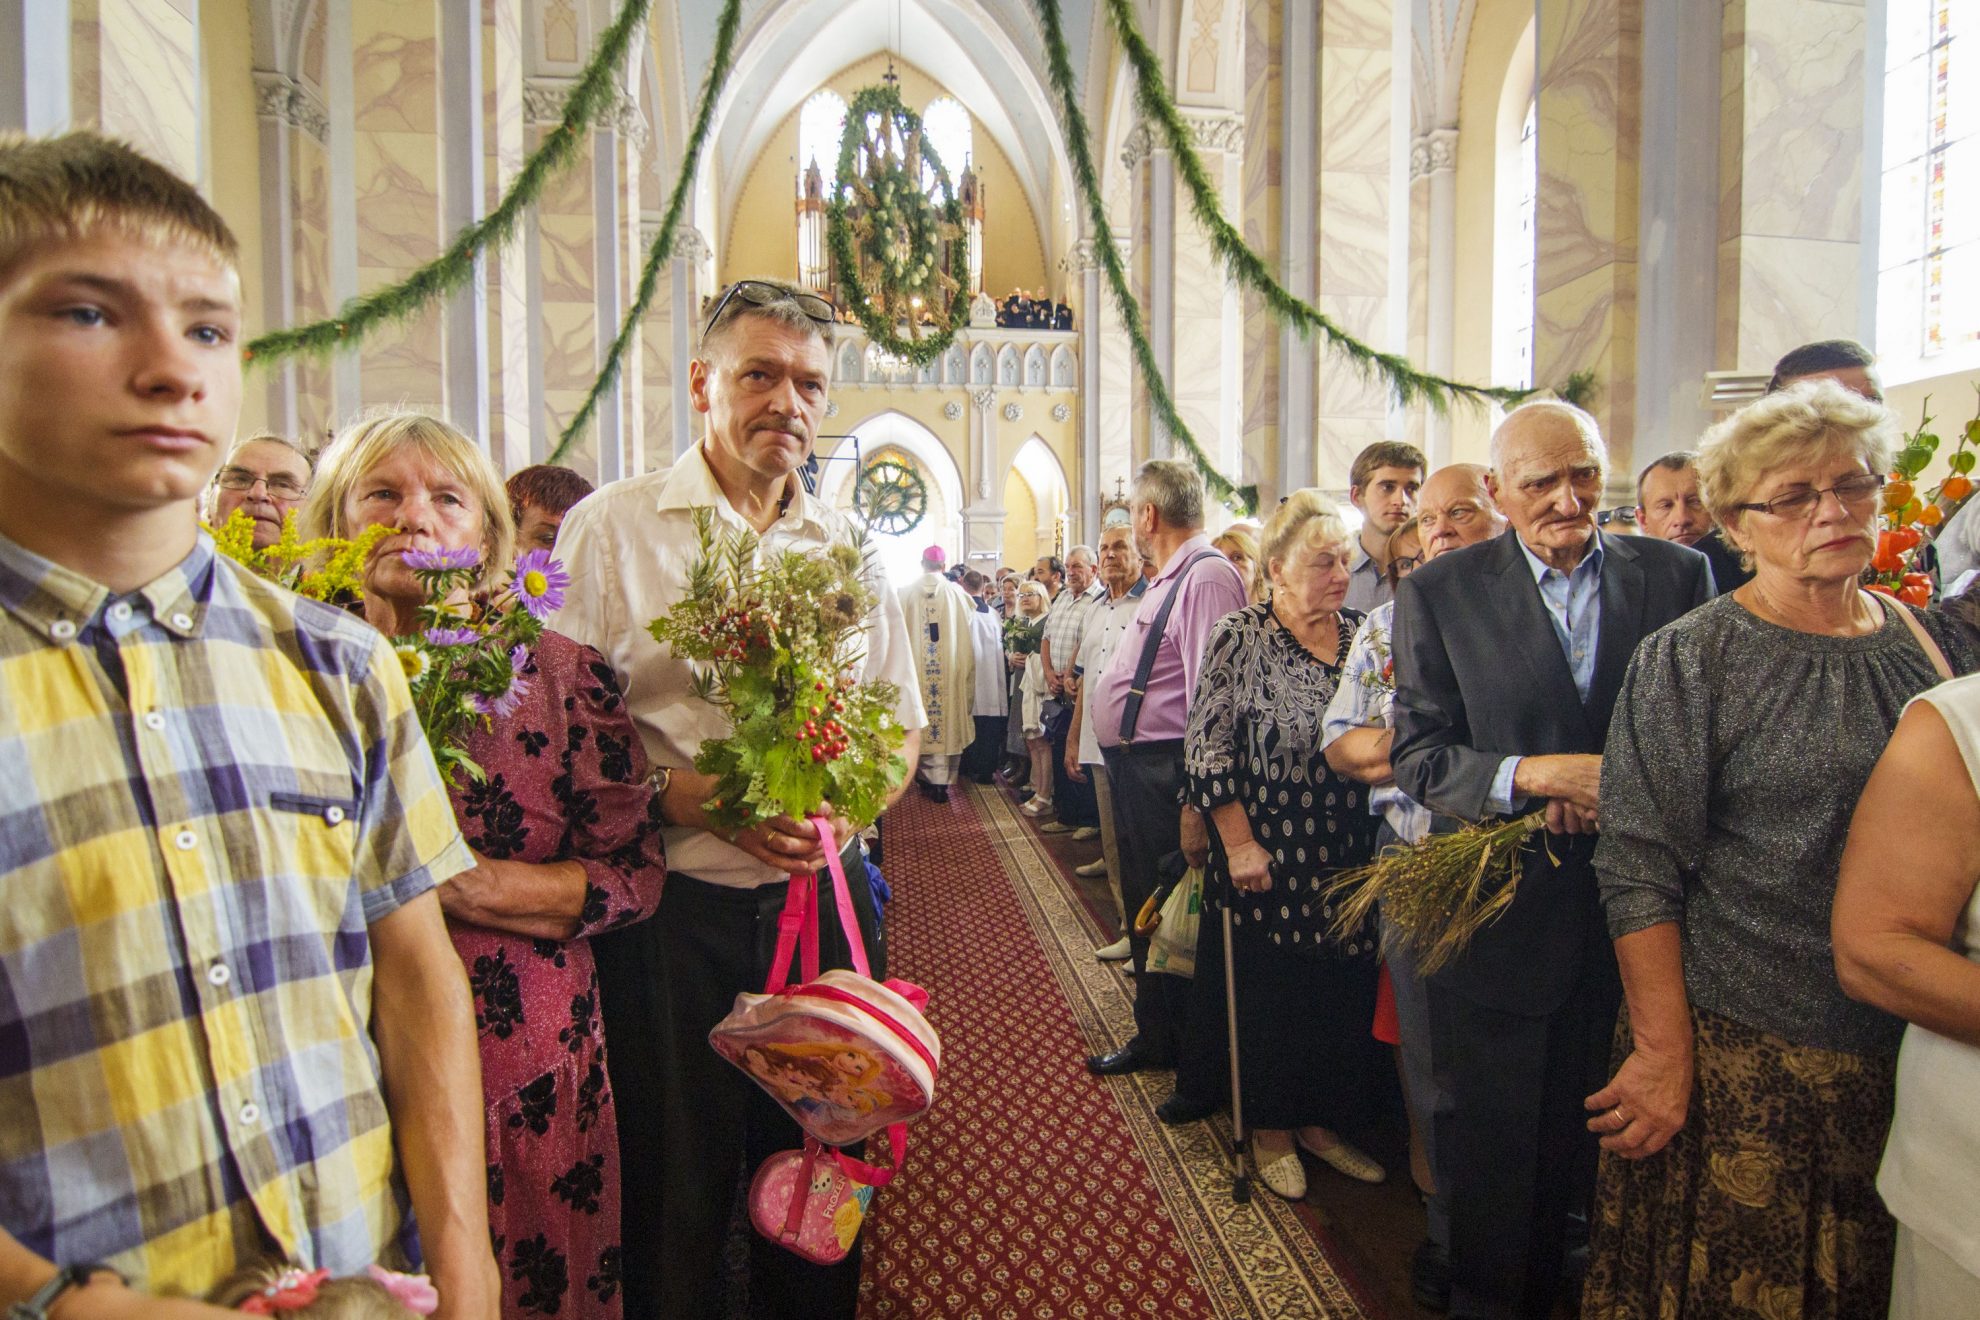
[845, 1056]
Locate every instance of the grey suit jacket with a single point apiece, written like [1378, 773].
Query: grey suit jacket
[1480, 676]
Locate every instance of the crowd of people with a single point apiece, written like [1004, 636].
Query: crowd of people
[291, 1023]
[1033, 311]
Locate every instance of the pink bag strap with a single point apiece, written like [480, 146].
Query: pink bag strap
[870, 1174]
[799, 922]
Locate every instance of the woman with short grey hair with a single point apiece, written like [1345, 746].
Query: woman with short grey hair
[1743, 1126]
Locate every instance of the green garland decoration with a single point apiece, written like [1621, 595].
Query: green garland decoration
[452, 269]
[663, 243]
[1247, 269]
[1242, 500]
[896, 192]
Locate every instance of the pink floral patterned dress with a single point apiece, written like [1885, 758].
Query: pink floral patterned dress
[565, 781]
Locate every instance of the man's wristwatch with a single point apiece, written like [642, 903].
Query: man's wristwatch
[66, 1277]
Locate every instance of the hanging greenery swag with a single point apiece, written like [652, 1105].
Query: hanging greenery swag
[900, 231]
[592, 95]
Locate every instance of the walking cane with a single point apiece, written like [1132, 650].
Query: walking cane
[1240, 1180]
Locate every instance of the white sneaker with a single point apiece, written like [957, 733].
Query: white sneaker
[1092, 870]
[1055, 827]
[1085, 832]
[1345, 1159]
[1118, 951]
[1038, 806]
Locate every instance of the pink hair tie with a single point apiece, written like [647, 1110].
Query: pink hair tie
[412, 1291]
[291, 1290]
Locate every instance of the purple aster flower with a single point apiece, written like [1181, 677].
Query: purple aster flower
[540, 583]
[505, 705]
[452, 636]
[440, 561]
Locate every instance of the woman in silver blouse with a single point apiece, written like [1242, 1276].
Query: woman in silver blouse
[1744, 1123]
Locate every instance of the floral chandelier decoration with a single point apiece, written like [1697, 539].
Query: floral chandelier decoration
[885, 228]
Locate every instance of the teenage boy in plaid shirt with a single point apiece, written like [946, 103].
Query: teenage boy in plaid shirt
[231, 1022]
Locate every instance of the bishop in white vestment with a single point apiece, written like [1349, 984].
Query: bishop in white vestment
[937, 612]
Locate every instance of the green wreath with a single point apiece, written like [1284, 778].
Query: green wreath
[891, 496]
[901, 231]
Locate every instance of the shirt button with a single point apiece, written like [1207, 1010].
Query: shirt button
[219, 974]
[62, 630]
[154, 721]
[333, 815]
[121, 611]
[186, 841]
[182, 621]
[249, 1114]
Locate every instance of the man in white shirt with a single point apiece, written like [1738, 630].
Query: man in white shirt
[1107, 617]
[1072, 800]
[937, 614]
[687, 1120]
[990, 703]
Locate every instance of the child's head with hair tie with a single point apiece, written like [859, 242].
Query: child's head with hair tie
[285, 1290]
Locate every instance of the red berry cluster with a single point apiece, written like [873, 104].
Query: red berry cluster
[828, 737]
[735, 633]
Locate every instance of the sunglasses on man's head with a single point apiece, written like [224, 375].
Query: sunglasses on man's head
[761, 293]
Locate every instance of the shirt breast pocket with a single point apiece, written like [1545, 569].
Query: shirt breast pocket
[313, 838]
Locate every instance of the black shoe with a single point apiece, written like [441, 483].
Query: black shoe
[1430, 1277]
[1127, 1059]
[1179, 1109]
[940, 792]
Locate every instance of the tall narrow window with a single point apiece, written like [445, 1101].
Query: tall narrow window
[1928, 254]
[1512, 329]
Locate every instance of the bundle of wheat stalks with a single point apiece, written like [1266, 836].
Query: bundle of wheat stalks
[1439, 893]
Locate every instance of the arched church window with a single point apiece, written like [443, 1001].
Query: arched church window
[1928, 257]
[820, 125]
[1517, 243]
[946, 126]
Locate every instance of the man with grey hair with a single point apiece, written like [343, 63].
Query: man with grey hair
[1140, 708]
[687, 1120]
[1509, 655]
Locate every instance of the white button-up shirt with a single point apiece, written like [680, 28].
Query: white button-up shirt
[628, 548]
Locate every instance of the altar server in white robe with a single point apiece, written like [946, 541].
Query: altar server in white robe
[937, 612]
[992, 706]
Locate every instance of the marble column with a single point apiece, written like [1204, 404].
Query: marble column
[1356, 66]
[693, 259]
[34, 85]
[1207, 380]
[463, 56]
[567, 336]
[1585, 273]
[293, 125]
[1084, 263]
[134, 74]
[1432, 278]
[512, 420]
[1791, 176]
[396, 170]
[1151, 275]
[983, 513]
[1280, 40]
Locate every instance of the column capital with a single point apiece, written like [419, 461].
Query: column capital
[986, 399]
[544, 100]
[690, 245]
[1082, 256]
[281, 98]
[1215, 130]
[1434, 152]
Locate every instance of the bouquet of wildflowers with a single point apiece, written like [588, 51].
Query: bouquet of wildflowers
[466, 663]
[775, 645]
[1023, 636]
[326, 568]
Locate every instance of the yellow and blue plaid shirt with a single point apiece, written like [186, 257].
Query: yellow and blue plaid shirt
[209, 788]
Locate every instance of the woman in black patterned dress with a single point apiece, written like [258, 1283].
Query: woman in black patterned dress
[1283, 824]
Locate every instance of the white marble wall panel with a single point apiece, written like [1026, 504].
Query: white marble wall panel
[134, 73]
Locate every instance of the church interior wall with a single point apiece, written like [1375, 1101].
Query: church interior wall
[230, 149]
[1020, 522]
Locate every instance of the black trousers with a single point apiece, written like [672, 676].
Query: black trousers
[690, 1124]
[982, 757]
[1512, 1137]
[1144, 780]
[1072, 802]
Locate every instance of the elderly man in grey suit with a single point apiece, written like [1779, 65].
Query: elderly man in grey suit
[1509, 655]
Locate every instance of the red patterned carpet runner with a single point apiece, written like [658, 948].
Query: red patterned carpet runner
[1033, 1189]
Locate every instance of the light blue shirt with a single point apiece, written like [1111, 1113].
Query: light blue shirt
[1366, 699]
[1574, 606]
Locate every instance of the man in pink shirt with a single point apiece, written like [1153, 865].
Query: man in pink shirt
[1140, 708]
